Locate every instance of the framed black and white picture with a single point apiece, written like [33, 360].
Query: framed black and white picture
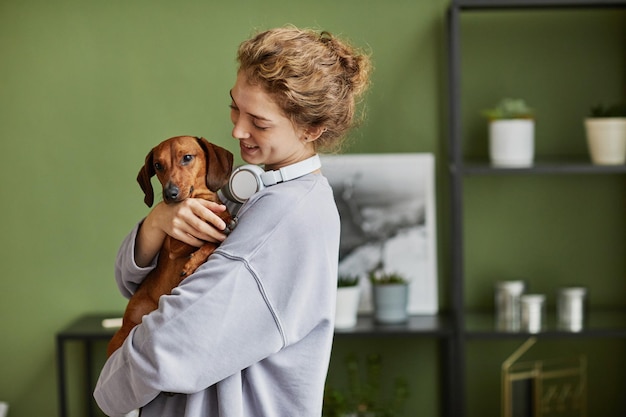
[387, 208]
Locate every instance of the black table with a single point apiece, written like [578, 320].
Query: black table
[86, 330]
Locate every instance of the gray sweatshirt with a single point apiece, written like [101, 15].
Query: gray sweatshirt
[250, 332]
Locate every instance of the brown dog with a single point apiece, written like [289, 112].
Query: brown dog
[186, 167]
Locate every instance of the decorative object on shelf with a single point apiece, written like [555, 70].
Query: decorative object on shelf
[390, 293]
[507, 301]
[348, 292]
[387, 208]
[571, 308]
[366, 394]
[549, 387]
[511, 134]
[606, 134]
[533, 312]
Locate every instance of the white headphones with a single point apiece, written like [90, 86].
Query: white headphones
[249, 179]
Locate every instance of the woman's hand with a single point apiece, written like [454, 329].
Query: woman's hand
[193, 221]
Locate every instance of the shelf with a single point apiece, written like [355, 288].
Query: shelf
[554, 166]
[599, 324]
[89, 327]
[434, 326]
[536, 4]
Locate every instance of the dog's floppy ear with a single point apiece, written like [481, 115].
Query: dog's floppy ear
[143, 178]
[219, 164]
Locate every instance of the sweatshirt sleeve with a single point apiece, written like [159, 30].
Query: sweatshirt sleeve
[128, 275]
[223, 307]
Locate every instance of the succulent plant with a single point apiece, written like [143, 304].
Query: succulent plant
[386, 278]
[509, 108]
[614, 110]
[347, 281]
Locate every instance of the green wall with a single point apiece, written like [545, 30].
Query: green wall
[88, 87]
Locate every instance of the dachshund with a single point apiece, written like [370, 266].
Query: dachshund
[186, 167]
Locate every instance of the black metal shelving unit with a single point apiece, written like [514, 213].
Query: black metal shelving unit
[480, 325]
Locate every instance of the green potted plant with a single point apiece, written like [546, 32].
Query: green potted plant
[511, 133]
[365, 396]
[348, 296]
[390, 296]
[605, 128]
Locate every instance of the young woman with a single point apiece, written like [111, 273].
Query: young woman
[250, 332]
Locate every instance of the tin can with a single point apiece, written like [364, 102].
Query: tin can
[533, 312]
[507, 301]
[571, 308]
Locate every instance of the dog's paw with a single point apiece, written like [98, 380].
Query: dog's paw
[189, 268]
[192, 264]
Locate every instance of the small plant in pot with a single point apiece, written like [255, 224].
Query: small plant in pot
[606, 134]
[348, 293]
[390, 296]
[366, 395]
[511, 134]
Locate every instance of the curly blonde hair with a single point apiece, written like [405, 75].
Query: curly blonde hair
[314, 77]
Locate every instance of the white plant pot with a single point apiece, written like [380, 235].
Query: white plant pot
[606, 139]
[512, 142]
[347, 307]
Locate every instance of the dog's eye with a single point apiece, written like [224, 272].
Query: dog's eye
[158, 167]
[187, 159]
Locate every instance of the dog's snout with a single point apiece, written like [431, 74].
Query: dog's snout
[171, 192]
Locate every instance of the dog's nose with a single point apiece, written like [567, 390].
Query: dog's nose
[172, 192]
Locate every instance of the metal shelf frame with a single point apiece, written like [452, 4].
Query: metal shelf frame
[459, 168]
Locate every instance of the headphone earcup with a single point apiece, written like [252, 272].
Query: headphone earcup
[249, 179]
[244, 182]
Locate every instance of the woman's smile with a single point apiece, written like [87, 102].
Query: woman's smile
[248, 149]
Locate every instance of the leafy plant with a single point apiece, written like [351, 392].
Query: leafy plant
[347, 281]
[614, 110]
[386, 278]
[364, 396]
[509, 108]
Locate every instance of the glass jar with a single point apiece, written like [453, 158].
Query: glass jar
[507, 301]
[571, 308]
[533, 312]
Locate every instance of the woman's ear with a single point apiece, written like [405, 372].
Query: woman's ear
[313, 133]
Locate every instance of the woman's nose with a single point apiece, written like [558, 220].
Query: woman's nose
[239, 131]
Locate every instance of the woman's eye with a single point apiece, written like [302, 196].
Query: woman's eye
[259, 127]
[234, 117]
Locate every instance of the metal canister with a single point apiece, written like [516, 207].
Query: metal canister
[507, 301]
[533, 314]
[571, 308]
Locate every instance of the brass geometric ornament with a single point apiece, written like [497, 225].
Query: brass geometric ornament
[544, 388]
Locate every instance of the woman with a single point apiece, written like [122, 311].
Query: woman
[250, 332]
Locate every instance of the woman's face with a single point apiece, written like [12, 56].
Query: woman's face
[266, 136]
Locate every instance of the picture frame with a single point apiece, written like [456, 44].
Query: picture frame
[388, 222]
